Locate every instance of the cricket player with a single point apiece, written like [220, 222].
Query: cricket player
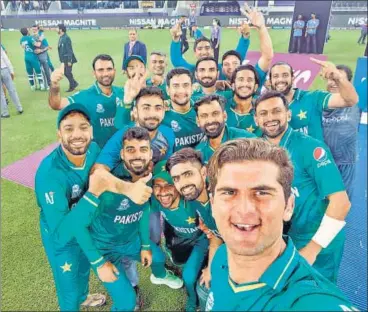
[340, 131]
[157, 66]
[101, 99]
[120, 229]
[240, 112]
[29, 44]
[258, 269]
[188, 172]
[65, 199]
[211, 118]
[203, 48]
[307, 106]
[230, 60]
[187, 246]
[321, 202]
[181, 116]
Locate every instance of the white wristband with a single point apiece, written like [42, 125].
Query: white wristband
[327, 231]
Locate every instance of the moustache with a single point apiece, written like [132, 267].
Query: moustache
[151, 118]
[187, 186]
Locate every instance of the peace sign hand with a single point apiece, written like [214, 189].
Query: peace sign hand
[254, 16]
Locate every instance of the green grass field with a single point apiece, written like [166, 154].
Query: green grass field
[27, 282]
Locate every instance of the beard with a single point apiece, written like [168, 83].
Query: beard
[102, 82]
[284, 92]
[281, 128]
[137, 170]
[144, 123]
[181, 102]
[192, 195]
[244, 97]
[76, 151]
[216, 133]
[208, 84]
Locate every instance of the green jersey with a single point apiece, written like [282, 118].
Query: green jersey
[197, 94]
[27, 42]
[288, 284]
[229, 134]
[242, 121]
[161, 86]
[187, 133]
[102, 110]
[204, 212]
[315, 177]
[60, 189]
[306, 111]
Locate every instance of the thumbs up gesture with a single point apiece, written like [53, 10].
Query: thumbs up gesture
[57, 75]
[139, 192]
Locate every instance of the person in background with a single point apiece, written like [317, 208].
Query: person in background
[183, 36]
[66, 56]
[192, 22]
[7, 77]
[216, 37]
[134, 47]
[340, 129]
[311, 33]
[363, 33]
[297, 34]
[197, 33]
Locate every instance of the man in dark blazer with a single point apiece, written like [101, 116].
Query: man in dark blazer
[134, 47]
[66, 56]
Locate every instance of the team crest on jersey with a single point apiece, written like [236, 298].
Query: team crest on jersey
[100, 109]
[175, 126]
[210, 302]
[119, 102]
[124, 205]
[76, 191]
[49, 198]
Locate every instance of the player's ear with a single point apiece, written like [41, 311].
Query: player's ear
[122, 153]
[58, 133]
[204, 172]
[91, 131]
[225, 115]
[197, 120]
[289, 115]
[255, 118]
[289, 209]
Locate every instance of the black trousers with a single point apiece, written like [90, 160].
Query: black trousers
[215, 50]
[184, 46]
[296, 44]
[69, 75]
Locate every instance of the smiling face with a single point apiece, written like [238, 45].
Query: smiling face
[211, 119]
[75, 133]
[158, 64]
[272, 117]
[180, 89]
[281, 79]
[207, 73]
[104, 72]
[132, 35]
[229, 64]
[249, 206]
[164, 192]
[189, 179]
[136, 155]
[245, 85]
[203, 49]
[150, 111]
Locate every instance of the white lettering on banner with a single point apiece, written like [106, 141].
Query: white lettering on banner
[279, 21]
[237, 21]
[152, 21]
[76, 22]
[357, 20]
[299, 75]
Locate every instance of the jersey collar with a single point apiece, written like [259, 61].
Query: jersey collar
[224, 139]
[70, 164]
[285, 138]
[99, 91]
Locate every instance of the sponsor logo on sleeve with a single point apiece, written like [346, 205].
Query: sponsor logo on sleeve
[321, 156]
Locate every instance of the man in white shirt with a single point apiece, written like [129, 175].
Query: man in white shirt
[7, 77]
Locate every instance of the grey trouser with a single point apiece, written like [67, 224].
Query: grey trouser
[45, 66]
[8, 82]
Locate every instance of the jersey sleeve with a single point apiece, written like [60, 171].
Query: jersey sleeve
[242, 47]
[170, 136]
[177, 58]
[262, 77]
[322, 302]
[320, 99]
[52, 199]
[110, 154]
[122, 115]
[320, 164]
[76, 98]
[144, 231]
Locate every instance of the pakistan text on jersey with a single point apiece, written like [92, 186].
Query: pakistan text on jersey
[129, 218]
[185, 230]
[188, 140]
[303, 130]
[107, 122]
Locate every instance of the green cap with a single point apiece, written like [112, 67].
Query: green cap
[72, 107]
[159, 172]
[131, 58]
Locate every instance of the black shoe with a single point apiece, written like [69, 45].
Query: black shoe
[5, 116]
[20, 112]
[138, 301]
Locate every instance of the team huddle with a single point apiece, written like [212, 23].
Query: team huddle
[201, 168]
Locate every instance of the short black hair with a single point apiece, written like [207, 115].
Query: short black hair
[176, 72]
[245, 67]
[231, 52]
[347, 70]
[24, 31]
[269, 95]
[208, 99]
[199, 40]
[206, 58]
[102, 57]
[136, 133]
[279, 64]
[75, 111]
[149, 91]
[185, 155]
[34, 25]
[217, 21]
[62, 27]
